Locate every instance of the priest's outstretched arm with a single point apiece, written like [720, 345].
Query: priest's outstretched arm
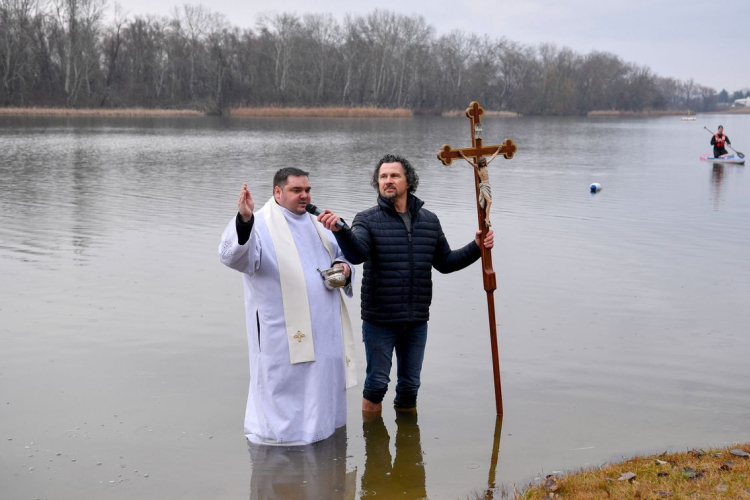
[240, 248]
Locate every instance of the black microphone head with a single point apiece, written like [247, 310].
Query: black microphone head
[311, 209]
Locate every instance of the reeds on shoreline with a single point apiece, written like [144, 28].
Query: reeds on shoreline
[322, 112]
[103, 112]
[318, 112]
[735, 111]
[267, 111]
[645, 112]
[462, 112]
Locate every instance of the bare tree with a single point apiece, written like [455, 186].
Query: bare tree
[194, 20]
[79, 21]
[284, 30]
[112, 44]
[16, 21]
[324, 34]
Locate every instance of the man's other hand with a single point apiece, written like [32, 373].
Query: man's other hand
[489, 240]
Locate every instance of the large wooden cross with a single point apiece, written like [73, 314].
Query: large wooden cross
[446, 155]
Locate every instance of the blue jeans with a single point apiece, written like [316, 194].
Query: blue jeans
[409, 341]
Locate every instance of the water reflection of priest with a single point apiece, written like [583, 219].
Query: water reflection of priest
[313, 471]
[405, 476]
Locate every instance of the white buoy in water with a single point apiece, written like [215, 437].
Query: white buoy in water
[596, 187]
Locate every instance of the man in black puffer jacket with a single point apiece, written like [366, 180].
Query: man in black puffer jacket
[399, 242]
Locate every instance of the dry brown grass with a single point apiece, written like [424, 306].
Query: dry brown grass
[462, 112]
[645, 112]
[329, 112]
[735, 111]
[700, 474]
[104, 112]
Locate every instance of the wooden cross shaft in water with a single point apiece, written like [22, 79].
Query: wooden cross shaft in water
[477, 151]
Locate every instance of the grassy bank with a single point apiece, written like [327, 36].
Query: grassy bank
[702, 474]
[104, 112]
[322, 112]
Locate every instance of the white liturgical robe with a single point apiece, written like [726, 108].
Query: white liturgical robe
[291, 402]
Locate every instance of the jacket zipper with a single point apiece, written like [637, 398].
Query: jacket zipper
[411, 268]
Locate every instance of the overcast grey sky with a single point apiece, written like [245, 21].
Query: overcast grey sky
[684, 39]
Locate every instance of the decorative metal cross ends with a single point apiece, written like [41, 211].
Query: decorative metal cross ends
[484, 201]
[299, 336]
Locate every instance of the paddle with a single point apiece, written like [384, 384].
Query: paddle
[741, 155]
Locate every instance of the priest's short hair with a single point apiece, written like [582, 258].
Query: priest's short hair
[280, 177]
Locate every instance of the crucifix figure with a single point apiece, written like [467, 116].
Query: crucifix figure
[484, 201]
[485, 191]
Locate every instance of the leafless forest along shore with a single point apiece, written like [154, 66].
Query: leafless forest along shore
[77, 54]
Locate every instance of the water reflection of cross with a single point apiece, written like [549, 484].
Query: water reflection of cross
[446, 155]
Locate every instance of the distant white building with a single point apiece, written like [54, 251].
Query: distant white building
[742, 102]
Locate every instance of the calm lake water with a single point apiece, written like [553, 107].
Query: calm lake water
[622, 316]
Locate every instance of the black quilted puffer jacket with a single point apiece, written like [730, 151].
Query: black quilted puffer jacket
[397, 282]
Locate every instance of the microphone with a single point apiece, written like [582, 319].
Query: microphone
[312, 209]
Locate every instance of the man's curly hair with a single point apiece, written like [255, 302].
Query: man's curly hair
[411, 175]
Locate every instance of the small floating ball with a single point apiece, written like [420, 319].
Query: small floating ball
[596, 187]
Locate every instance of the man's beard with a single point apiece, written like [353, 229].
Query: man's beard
[390, 195]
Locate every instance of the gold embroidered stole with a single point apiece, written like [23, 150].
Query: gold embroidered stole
[293, 296]
[297, 319]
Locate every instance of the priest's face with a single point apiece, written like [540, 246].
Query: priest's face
[392, 181]
[294, 195]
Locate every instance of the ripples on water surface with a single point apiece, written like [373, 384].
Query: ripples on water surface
[622, 315]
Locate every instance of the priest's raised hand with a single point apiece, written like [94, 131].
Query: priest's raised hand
[245, 205]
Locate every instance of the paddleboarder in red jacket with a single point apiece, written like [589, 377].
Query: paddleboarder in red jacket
[718, 141]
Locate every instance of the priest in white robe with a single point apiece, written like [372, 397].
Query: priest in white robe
[300, 341]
